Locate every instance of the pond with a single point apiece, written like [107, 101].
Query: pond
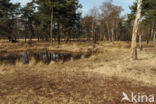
[45, 57]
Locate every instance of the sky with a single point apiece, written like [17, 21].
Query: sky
[88, 4]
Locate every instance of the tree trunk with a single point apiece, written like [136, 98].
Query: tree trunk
[25, 39]
[31, 39]
[38, 37]
[112, 35]
[51, 26]
[69, 36]
[58, 37]
[108, 31]
[31, 29]
[140, 42]
[9, 38]
[152, 28]
[135, 31]
[154, 39]
[154, 36]
[152, 33]
[148, 36]
[93, 33]
[88, 36]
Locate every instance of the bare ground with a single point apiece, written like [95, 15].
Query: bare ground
[101, 79]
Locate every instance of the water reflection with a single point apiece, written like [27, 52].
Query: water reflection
[45, 57]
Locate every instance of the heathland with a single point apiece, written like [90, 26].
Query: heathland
[99, 79]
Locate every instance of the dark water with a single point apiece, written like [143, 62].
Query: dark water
[45, 57]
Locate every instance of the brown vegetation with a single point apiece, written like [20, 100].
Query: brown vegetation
[100, 79]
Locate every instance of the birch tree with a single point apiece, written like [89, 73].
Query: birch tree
[94, 13]
[135, 31]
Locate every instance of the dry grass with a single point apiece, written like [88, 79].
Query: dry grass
[122, 66]
[101, 79]
[6, 46]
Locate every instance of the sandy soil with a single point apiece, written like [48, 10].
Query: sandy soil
[100, 79]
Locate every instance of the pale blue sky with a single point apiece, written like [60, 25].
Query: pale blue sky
[87, 4]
